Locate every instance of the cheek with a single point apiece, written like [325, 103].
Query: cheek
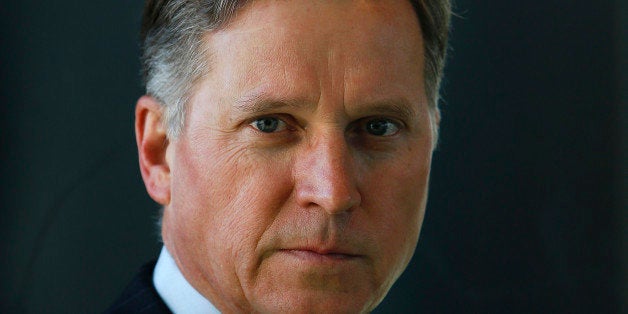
[225, 197]
[395, 198]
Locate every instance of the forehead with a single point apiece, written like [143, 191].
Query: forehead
[295, 43]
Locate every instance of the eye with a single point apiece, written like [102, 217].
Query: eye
[381, 127]
[269, 124]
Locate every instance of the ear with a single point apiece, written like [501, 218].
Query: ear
[152, 143]
[435, 124]
[437, 116]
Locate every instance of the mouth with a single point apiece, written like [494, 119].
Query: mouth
[319, 255]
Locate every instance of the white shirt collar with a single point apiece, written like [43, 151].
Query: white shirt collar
[176, 292]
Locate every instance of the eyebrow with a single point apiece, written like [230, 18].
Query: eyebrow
[262, 102]
[399, 107]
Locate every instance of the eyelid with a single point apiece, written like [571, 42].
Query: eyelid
[398, 122]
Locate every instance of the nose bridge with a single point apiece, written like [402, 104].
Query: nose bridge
[327, 174]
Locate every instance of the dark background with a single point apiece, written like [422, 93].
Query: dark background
[528, 203]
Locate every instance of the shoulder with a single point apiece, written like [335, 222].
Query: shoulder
[140, 295]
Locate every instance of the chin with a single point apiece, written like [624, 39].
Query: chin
[327, 306]
[318, 302]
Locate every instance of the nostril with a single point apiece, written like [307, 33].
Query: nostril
[325, 176]
[328, 193]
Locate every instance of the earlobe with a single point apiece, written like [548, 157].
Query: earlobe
[152, 144]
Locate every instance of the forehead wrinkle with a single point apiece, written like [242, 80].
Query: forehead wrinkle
[279, 77]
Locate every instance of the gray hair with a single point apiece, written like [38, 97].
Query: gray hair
[174, 61]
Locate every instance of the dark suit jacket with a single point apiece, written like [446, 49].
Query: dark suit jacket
[140, 295]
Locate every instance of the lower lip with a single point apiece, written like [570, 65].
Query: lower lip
[311, 256]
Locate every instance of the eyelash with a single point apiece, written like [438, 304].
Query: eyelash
[256, 124]
[283, 124]
[397, 125]
[359, 126]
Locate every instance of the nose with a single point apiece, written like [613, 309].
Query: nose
[326, 176]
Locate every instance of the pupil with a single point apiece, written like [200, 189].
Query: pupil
[267, 125]
[377, 127]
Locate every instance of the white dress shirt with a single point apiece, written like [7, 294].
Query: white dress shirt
[177, 293]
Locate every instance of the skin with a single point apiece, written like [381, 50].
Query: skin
[320, 208]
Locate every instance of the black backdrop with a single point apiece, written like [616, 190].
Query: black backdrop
[527, 209]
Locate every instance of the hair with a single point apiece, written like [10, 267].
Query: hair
[173, 59]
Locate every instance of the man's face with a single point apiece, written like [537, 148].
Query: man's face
[299, 182]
